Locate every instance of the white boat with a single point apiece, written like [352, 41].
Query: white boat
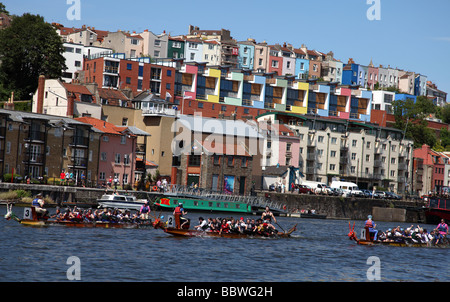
[121, 202]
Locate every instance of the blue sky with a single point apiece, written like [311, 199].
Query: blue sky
[411, 34]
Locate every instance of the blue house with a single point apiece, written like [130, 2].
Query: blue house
[246, 56]
[350, 74]
[404, 97]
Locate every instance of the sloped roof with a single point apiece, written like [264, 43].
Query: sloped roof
[103, 126]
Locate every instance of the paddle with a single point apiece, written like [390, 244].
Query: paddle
[280, 227]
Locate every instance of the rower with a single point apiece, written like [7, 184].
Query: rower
[370, 226]
[179, 212]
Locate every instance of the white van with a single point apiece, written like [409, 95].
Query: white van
[349, 188]
[317, 187]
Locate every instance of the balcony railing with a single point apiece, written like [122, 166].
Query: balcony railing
[140, 148]
[36, 136]
[79, 141]
[34, 159]
[78, 161]
[158, 111]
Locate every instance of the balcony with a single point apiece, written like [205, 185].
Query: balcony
[36, 136]
[78, 162]
[34, 159]
[157, 111]
[140, 148]
[79, 141]
[311, 156]
[111, 69]
[402, 166]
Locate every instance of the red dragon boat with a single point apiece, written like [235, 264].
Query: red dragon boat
[367, 239]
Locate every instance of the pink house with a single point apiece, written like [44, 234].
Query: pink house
[372, 75]
[117, 153]
[288, 146]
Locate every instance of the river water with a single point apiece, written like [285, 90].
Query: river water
[318, 251]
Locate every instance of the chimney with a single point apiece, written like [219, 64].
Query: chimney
[10, 104]
[70, 103]
[40, 95]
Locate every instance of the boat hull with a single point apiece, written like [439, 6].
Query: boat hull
[204, 205]
[401, 244]
[314, 216]
[97, 224]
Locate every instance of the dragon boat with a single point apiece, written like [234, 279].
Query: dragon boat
[31, 218]
[367, 239]
[171, 229]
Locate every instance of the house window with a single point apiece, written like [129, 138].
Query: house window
[123, 139]
[230, 161]
[244, 162]
[194, 160]
[117, 158]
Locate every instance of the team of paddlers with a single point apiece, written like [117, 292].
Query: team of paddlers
[411, 234]
[103, 215]
[262, 226]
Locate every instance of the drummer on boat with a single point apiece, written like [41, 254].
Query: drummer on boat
[370, 225]
[178, 213]
[38, 204]
[267, 217]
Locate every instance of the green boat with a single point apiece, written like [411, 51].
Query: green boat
[199, 204]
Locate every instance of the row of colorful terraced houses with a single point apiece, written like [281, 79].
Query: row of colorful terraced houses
[259, 75]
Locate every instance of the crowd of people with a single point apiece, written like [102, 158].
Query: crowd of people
[262, 226]
[412, 234]
[236, 226]
[103, 215]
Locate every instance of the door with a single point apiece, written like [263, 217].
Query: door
[242, 185]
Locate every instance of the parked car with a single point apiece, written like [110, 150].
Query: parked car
[380, 194]
[337, 192]
[304, 189]
[367, 193]
[391, 195]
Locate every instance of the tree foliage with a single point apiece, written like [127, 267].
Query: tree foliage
[410, 117]
[30, 47]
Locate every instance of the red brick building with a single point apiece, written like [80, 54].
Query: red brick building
[112, 72]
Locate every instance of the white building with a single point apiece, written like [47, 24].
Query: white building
[74, 54]
[382, 100]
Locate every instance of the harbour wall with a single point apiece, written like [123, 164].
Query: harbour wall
[334, 207]
[352, 208]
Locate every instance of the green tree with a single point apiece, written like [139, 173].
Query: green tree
[30, 47]
[410, 117]
[3, 9]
